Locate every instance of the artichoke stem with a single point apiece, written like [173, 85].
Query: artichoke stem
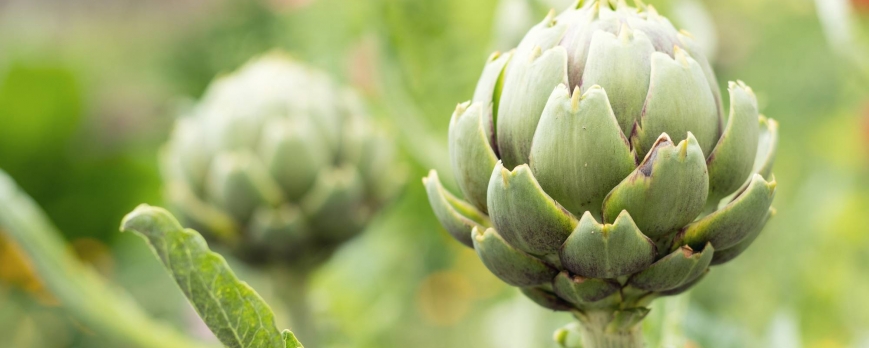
[291, 286]
[599, 331]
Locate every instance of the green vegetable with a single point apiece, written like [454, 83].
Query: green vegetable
[278, 163]
[280, 166]
[236, 314]
[599, 170]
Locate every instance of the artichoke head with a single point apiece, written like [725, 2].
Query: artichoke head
[598, 167]
[278, 163]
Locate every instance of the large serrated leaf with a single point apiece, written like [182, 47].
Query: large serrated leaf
[84, 294]
[236, 314]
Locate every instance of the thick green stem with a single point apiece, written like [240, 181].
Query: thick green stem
[291, 286]
[600, 331]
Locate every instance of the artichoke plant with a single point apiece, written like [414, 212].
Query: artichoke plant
[599, 169]
[279, 165]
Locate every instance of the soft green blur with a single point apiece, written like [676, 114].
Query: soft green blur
[89, 89]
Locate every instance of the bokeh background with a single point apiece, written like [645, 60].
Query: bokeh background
[89, 90]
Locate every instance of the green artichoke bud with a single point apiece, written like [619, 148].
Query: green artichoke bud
[598, 168]
[278, 163]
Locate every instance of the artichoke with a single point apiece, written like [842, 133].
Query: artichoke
[599, 170]
[278, 164]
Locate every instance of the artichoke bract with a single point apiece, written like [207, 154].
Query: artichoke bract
[278, 163]
[599, 169]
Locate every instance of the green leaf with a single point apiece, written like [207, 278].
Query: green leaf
[83, 293]
[236, 314]
[290, 340]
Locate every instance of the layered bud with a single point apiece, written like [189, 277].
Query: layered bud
[278, 163]
[598, 166]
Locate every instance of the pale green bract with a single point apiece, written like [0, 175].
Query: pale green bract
[233, 311]
[599, 169]
[278, 163]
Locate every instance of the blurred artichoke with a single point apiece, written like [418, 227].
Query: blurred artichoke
[278, 163]
[574, 189]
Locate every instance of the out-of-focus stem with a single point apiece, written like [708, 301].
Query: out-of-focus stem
[291, 286]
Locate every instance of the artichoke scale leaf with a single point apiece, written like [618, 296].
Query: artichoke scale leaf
[334, 205]
[470, 152]
[488, 91]
[684, 287]
[621, 66]
[294, 153]
[546, 298]
[585, 22]
[528, 83]
[239, 182]
[676, 269]
[511, 265]
[524, 215]
[597, 250]
[767, 146]
[184, 157]
[579, 290]
[278, 228]
[679, 102]
[731, 162]
[666, 191]
[541, 37]
[493, 73]
[688, 43]
[457, 216]
[579, 152]
[735, 221]
[723, 256]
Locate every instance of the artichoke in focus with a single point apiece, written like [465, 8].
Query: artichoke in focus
[278, 164]
[599, 169]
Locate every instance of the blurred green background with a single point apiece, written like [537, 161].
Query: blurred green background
[89, 90]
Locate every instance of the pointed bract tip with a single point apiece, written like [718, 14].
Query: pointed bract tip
[687, 34]
[626, 33]
[771, 185]
[461, 107]
[587, 215]
[623, 216]
[663, 138]
[479, 233]
[687, 251]
[640, 4]
[505, 176]
[492, 57]
[575, 98]
[684, 144]
[731, 85]
[536, 52]
[770, 122]
[653, 13]
[622, 5]
[432, 176]
[741, 85]
[680, 55]
[549, 20]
